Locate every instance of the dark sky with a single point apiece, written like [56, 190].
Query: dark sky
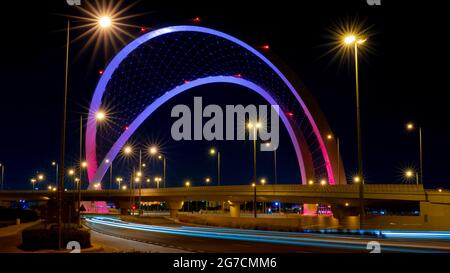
[401, 80]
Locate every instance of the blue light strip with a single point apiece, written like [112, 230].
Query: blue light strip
[255, 237]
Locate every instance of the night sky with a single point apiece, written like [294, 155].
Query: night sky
[401, 80]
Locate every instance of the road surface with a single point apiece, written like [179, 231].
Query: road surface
[225, 240]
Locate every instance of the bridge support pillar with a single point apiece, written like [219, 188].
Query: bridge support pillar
[174, 207]
[235, 208]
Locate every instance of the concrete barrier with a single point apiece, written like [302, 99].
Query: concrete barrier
[282, 224]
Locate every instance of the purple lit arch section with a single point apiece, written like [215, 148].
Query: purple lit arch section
[115, 150]
[96, 174]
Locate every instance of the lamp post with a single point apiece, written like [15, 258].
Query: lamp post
[2, 174]
[254, 127]
[158, 180]
[33, 181]
[254, 199]
[275, 174]
[352, 40]
[213, 152]
[187, 184]
[338, 158]
[56, 165]
[163, 158]
[411, 127]
[263, 182]
[119, 180]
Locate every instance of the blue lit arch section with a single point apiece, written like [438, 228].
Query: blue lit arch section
[166, 62]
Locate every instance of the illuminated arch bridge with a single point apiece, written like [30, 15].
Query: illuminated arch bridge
[166, 62]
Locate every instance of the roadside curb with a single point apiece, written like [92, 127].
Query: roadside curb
[18, 229]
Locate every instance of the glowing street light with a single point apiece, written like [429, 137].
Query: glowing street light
[213, 152]
[268, 144]
[2, 175]
[254, 126]
[207, 180]
[356, 179]
[410, 174]
[127, 150]
[187, 183]
[158, 180]
[33, 181]
[263, 181]
[100, 116]
[355, 40]
[124, 187]
[254, 199]
[119, 180]
[411, 127]
[310, 182]
[40, 177]
[71, 172]
[153, 150]
[105, 22]
[323, 182]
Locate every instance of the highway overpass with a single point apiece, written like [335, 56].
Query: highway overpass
[338, 196]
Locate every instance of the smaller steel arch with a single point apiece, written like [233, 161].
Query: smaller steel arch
[117, 146]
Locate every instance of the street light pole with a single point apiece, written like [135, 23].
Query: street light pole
[218, 168]
[421, 155]
[164, 171]
[140, 183]
[349, 40]
[63, 141]
[2, 167]
[81, 173]
[254, 199]
[254, 154]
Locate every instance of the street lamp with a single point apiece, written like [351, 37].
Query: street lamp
[119, 180]
[254, 127]
[158, 180]
[105, 21]
[40, 177]
[128, 150]
[338, 158]
[254, 199]
[410, 174]
[207, 180]
[355, 40]
[323, 182]
[356, 179]
[411, 127]
[153, 151]
[33, 181]
[187, 183]
[213, 152]
[2, 175]
[100, 115]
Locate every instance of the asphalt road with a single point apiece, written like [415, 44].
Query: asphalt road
[166, 233]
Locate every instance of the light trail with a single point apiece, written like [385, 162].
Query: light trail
[268, 237]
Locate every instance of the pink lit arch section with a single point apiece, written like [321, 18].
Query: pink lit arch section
[96, 174]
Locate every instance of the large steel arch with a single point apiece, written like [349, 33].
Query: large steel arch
[303, 149]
